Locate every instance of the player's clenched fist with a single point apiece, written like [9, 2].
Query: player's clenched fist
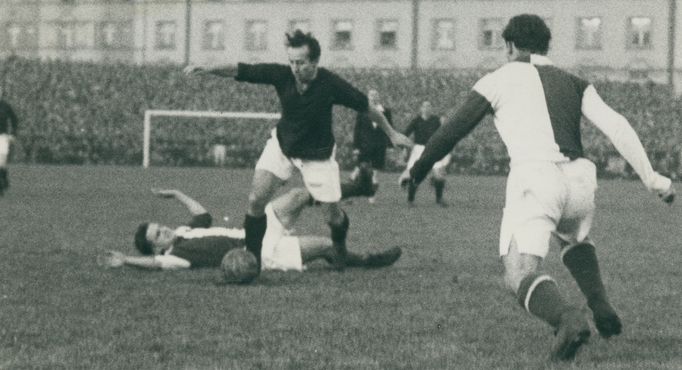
[668, 196]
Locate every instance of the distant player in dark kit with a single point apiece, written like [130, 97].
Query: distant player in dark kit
[8, 132]
[370, 141]
[537, 109]
[200, 244]
[303, 139]
[423, 126]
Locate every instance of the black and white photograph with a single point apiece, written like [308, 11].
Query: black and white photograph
[340, 184]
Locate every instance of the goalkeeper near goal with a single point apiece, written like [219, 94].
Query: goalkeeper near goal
[303, 138]
[199, 244]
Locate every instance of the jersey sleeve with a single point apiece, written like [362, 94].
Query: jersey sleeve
[348, 96]
[203, 221]
[263, 73]
[486, 87]
[624, 138]
[171, 262]
[447, 136]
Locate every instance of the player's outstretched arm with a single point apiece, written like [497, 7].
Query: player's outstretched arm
[227, 71]
[625, 139]
[116, 259]
[397, 138]
[194, 207]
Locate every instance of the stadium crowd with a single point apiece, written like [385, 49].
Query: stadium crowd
[86, 113]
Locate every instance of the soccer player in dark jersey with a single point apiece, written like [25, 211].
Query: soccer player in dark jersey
[370, 142]
[303, 139]
[423, 126]
[537, 109]
[199, 244]
[8, 131]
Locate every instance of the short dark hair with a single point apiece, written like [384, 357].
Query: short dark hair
[141, 243]
[298, 38]
[528, 32]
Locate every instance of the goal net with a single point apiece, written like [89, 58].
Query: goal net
[200, 137]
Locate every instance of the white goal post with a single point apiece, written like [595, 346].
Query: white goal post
[149, 114]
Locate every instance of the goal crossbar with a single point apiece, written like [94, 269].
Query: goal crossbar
[148, 114]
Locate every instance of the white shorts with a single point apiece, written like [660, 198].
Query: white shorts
[548, 201]
[280, 250]
[321, 178]
[417, 151]
[4, 144]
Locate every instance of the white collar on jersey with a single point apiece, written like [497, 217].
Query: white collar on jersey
[540, 60]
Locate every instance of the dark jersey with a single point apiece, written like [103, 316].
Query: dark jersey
[368, 136]
[8, 120]
[422, 129]
[305, 129]
[203, 245]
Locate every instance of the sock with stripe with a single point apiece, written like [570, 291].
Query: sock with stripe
[539, 295]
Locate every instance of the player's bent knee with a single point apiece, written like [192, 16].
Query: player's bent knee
[257, 203]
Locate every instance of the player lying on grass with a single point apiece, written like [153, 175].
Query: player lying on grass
[198, 244]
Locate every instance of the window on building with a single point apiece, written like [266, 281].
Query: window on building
[256, 35]
[108, 31]
[639, 33]
[343, 34]
[214, 35]
[589, 31]
[443, 34]
[19, 36]
[114, 35]
[387, 34]
[165, 35]
[491, 33]
[66, 35]
[299, 24]
[13, 32]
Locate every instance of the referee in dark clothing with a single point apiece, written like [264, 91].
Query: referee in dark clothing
[303, 139]
[8, 129]
[370, 142]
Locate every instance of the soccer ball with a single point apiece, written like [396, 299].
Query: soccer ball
[239, 266]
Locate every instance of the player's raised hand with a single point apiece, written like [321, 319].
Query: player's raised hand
[165, 193]
[191, 69]
[668, 196]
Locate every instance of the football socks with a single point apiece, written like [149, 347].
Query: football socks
[254, 229]
[439, 186]
[338, 236]
[581, 261]
[539, 295]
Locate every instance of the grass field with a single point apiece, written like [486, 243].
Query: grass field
[441, 306]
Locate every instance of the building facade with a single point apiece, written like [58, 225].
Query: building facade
[637, 39]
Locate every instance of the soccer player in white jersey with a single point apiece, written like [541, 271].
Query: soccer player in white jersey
[537, 110]
[200, 244]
